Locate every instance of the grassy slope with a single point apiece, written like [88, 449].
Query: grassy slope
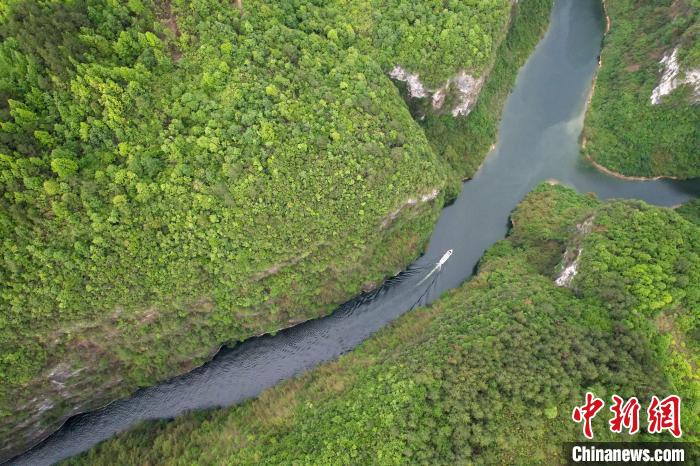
[623, 131]
[140, 231]
[491, 369]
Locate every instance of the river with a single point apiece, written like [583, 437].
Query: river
[538, 140]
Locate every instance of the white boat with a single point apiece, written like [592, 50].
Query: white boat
[445, 257]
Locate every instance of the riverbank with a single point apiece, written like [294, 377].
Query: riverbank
[464, 143]
[537, 141]
[615, 174]
[98, 384]
[626, 133]
[415, 390]
[466, 146]
[608, 21]
[587, 156]
[215, 223]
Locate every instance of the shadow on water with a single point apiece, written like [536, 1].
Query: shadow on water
[246, 369]
[538, 140]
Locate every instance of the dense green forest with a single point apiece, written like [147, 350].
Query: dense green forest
[624, 131]
[691, 211]
[488, 374]
[169, 171]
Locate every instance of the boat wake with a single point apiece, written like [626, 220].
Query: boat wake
[438, 266]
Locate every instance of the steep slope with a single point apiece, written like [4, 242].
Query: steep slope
[644, 117]
[691, 211]
[175, 176]
[488, 374]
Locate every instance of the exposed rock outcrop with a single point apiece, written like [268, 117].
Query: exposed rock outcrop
[410, 202]
[415, 86]
[566, 276]
[464, 86]
[572, 256]
[670, 79]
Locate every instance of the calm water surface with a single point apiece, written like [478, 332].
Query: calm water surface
[538, 140]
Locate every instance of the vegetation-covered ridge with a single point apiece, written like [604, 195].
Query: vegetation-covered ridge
[490, 373]
[464, 142]
[644, 117]
[174, 175]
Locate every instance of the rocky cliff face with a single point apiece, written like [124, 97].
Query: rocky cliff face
[570, 261]
[463, 86]
[457, 95]
[91, 375]
[673, 77]
[95, 371]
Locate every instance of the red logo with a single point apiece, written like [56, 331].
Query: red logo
[665, 415]
[587, 412]
[625, 415]
[662, 415]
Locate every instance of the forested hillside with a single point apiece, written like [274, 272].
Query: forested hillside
[176, 175]
[644, 117]
[490, 373]
[691, 211]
